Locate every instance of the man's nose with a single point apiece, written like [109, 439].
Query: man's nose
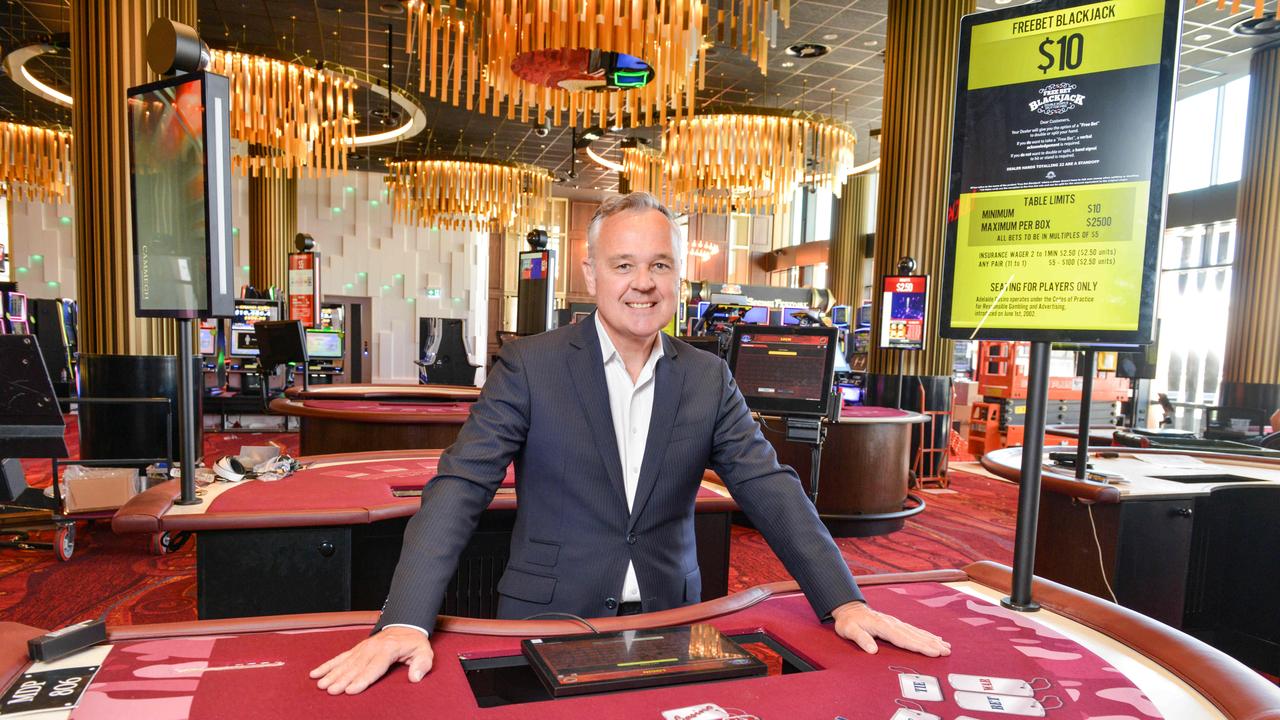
[642, 281]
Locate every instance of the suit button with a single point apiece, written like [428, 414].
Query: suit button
[611, 603]
[631, 538]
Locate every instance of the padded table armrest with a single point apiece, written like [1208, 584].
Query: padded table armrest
[1204, 668]
[13, 650]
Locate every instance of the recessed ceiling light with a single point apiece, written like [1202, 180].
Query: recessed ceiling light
[1202, 37]
[1002, 2]
[391, 8]
[808, 51]
[386, 65]
[830, 36]
[788, 64]
[871, 43]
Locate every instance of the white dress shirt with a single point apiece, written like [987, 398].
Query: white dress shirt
[630, 405]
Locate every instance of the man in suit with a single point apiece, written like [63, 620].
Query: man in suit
[610, 424]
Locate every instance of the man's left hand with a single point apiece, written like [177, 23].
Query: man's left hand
[859, 623]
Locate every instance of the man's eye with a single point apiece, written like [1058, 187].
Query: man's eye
[661, 266]
[623, 267]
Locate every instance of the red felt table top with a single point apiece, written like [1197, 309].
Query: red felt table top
[328, 484]
[331, 490]
[871, 413]
[265, 675]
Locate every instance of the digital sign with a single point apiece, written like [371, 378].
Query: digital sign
[1060, 142]
[180, 169]
[902, 312]
[304, 287]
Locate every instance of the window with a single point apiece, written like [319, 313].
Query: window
[1208, 137]
[1194, 299]
[1235, 105]
[739, 259]
[822, 217]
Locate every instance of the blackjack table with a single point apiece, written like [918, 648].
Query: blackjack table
[1186, 537]
[1077, 658]
[327, 537]
[356, 418]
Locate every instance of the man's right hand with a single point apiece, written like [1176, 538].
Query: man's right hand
[358, 668]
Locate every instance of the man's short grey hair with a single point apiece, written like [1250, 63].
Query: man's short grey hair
[633, 202]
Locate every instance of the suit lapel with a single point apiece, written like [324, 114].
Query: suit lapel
[586, 369]
[667, 390]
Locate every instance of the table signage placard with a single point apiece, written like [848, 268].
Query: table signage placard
[1060, 144]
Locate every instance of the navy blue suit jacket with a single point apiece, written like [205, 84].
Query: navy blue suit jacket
[545, 406]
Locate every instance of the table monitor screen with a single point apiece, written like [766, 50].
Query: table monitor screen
[331, 317]
[863, 316]
[792, 315]
[840, 315]
[16, 307]
[248, 312]
[784, 371]
[280, 342]
[850, 394]
[757, 315]
[244, 343]
[208, 342]
[324, 344]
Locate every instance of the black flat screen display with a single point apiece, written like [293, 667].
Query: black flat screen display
[784, 370]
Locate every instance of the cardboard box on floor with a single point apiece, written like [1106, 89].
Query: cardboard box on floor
[89, 489]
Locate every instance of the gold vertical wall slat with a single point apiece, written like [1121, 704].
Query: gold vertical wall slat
[108, 40]
[919, 85]
[1253, 325]
[844, 266]
[273, 223]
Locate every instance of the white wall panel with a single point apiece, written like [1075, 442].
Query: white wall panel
[363, 251]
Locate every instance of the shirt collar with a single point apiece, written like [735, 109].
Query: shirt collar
[608, 350]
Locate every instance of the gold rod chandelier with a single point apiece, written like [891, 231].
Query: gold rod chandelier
[642, 167]
[751, 33]
[752, 160]
[1259, 8]
[305, 116]
[35, 163]
[469, 195]
[465, 56]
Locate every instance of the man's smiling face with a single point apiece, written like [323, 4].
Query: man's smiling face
[633, 275]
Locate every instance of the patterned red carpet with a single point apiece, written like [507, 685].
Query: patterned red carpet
[108, 572]
[117, 575]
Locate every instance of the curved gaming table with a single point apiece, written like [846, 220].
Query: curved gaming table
[865, 470]
[328, 537]
[389, 392]
[356, 418]
[1079, 656]
[1188, 538]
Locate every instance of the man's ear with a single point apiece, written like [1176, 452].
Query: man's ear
[589, 271]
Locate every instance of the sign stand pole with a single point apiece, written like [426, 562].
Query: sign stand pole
[900, 360]
[186, 416]
[1024, 548]
[1086, 400]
